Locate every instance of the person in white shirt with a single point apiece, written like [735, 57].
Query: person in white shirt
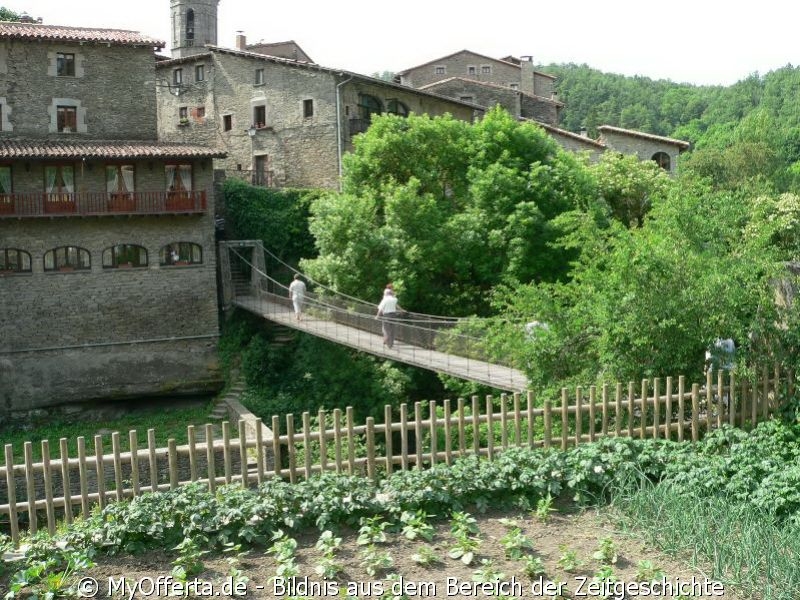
[388, 309]
[297, 292]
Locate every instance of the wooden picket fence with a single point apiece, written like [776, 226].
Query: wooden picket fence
[35, 495]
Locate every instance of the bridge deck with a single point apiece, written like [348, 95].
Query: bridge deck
[496, 376]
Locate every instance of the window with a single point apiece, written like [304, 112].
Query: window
[180, 253]
[440, 70]
[513, 86]
[177, 77]
[472, 70]
[5, 180]
[259, 116]
[486, 69]
[67, 258]
[395, 107]
[369, 105]
[66, 119]
[199, 73]
[124, 255]
[200, 113]
[120, 180]
[190, 27]
[227, 122]
[13, 260]
[179, 178]
[308, 108]
[183, 114]
[59, 183]
[259, 76]
[662, 160]
[65, 64]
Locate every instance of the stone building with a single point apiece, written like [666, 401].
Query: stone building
[281, 122]
[107, 259]
[646, 146]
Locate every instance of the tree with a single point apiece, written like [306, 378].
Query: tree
[8, 14]
[446, 210]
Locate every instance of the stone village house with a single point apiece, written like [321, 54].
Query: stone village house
[107, 258]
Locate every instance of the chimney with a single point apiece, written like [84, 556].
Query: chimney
[526, 74]
[241, 41]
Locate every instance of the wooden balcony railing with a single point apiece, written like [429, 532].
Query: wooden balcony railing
[98, 203]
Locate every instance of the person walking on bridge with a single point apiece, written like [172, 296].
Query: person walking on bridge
[297, 292]
[387, 311]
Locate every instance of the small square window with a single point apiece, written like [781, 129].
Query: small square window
[259, 116]
[472, 70]
[308, 108]
[65, 64]
[486, 69]
[200, 112]
[177, 76]
[183, 114]
[199, 73]
[440, 70]
[259, 76]
[227, 122]
[67, 119]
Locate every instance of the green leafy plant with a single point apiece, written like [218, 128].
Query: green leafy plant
[462, 523]
[189, 561]
[568, 560]
[516, 544]
[415, 525]
[426, 556]
[374, 560]
[488, 572]
[544, 508]
[372, 530]
[533, 566]
[283, 549]
[646, 570]
[464, 547]
[49, 577]
[606, 553]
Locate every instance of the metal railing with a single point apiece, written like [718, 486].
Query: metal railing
[101, 203]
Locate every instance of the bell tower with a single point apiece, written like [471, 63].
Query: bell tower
[194, 24]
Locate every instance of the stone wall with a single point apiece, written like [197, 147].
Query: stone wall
[106, 333]
[458, 65]
[297, 150]
[643, 148]
[113, 84]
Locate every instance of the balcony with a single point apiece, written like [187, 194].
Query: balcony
[101, 204]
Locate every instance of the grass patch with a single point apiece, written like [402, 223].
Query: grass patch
[756, 552]
[167, 423]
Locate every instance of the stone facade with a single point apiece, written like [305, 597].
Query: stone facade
[78, 323]
[515, 102]
[510, 72]
[194, 24]
[663, 150]
[284, 123]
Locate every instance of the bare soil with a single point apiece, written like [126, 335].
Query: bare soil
[449, 578]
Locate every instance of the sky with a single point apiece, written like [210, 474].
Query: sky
[685, 41]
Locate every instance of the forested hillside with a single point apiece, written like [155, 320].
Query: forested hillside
[750, 129]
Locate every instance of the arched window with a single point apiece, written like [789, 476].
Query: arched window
[180, 253]
[662, 160]
[395, 107]
[189, 27]
[67, 258]
[124, 255]
[369, 105]
[13, 260]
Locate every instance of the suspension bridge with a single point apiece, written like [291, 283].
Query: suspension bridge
[431, 342]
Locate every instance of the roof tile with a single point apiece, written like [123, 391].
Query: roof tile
[11, 149]
[34, 31]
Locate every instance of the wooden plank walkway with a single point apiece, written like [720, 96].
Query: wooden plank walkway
[495, 376]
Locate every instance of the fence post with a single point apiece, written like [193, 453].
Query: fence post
[291, 449]
[592, 410]
[503, 421]
[604, 425]
[631, 408]
[732, 400]
[260, 474]
[48, 488]
[82, 468]
[30, 481]
[476, 429]
[618, 409]
[517, 420]
[337, 438]
[387, 431]
[192, 450]
[643, 404]
[462, 428]
[656, 408]
[11, 483]
[433, 424]
[404, 436]
[448, 436]
[489, 427]
[115, 449]
[226, 450]
[307, 444]
[371, 448]
[668, 411]
[548, 424]
[172, 455]
[151, 449]
[578, 415]
[531, 400]
[243, 468]
[681, 406]
[418, 432]
[100, 469]
[351, 440]
[211, 466]
[66, 485]
[322, 434]
[695, 412]
[564, 419]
